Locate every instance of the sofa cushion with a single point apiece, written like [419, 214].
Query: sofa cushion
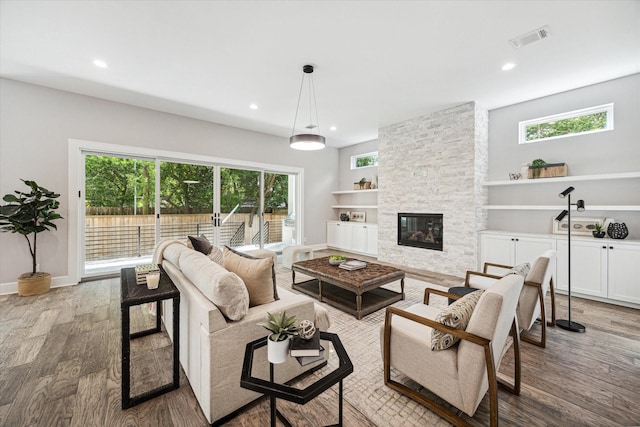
[200, 244]
[216, 255]
[223, 288]
[257, 274]
[457, 315]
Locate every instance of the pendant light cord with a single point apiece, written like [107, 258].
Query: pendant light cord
[293, 131]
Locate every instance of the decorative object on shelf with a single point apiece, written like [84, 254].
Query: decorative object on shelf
[306, 329]
[282, 328]
[344, 216]
[363, 184]
[598, 232]
[374, 182]
[617, 230]
[582, 226]
[513, 176]
[568, 324]
[336, 259]
[29, 214]
[540, 169]
[358, 216]
[307, 141]
[524, 171]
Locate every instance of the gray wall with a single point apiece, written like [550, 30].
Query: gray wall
[36, 124]
[348, 177]
[600, 153]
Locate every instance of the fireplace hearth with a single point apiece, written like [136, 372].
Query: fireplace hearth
[420, 230]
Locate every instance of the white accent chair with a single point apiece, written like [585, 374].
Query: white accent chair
[531, 305]
[461, 374]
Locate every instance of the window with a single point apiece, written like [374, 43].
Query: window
[364, 160]
[587, 120]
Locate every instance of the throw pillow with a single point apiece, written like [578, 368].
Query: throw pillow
[457, 315]
[521, 269]
[257, 274]
[216, 255]
[201, 244]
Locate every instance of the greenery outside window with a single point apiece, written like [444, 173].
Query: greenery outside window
[579, 122]
[366, 160]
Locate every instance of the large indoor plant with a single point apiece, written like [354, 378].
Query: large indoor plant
[281, 328]
[29, 214]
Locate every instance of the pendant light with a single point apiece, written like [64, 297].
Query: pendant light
[307, 141]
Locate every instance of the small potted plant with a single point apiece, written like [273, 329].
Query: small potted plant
[29, 214]
[535, 167]
[281, 328]
[598, 231]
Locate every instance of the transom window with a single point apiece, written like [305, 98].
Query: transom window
[366, 160]
[579, 122]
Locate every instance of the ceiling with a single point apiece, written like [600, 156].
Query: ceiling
[377, 62]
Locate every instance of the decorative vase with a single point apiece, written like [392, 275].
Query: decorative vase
[277, 351]
[598, 234]
[37, 284]
[617, 230]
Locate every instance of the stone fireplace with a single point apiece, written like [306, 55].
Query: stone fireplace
[420, 230]
[435, 163]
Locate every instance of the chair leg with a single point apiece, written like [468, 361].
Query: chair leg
[515, 387]
[553, 304]
[543, 332]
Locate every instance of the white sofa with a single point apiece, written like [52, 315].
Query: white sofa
[211, 346]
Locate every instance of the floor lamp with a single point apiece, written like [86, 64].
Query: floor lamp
[568, 324]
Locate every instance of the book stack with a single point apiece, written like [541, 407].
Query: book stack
[306, 351]
[353, 264]
[142, 270]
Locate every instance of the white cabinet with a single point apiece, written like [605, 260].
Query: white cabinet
[510, 249]
[338, 235]
[353, 237]
[623, 271]
[588, 267]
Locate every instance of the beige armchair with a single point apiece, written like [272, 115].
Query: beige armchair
[462, 374]
[531, 305]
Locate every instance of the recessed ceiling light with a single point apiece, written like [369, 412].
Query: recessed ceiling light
[333, 128]
[253, 106]
[508, 66]
[100, 63]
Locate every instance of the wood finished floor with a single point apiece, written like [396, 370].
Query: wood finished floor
[60, 366]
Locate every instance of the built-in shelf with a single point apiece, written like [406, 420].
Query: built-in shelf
[628, 208]
[354, 207]
[355, 191]
[625, 175]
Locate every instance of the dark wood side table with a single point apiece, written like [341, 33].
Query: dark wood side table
[284, 391]
[134, 294]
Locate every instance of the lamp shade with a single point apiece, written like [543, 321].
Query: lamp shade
[580, 205]
[307, 142]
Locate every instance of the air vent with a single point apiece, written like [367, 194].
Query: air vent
[528, 38]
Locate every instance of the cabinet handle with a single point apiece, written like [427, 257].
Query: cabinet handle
[513, 240]
[364, 226]
[604, 247]
[517, 240]
[610, 247]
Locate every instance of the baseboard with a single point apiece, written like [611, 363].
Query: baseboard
[56, 282]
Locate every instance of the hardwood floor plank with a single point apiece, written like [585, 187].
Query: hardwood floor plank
[10, 382]
[91, 400]
[60, 412]
[29, 405]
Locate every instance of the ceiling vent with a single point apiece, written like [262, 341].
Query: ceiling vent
[530, 37]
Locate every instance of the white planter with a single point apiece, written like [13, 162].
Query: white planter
[277, 351]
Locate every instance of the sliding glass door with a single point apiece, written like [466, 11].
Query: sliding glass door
[132, 203]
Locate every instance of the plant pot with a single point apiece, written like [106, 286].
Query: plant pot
[277, 351]
[37, 284]
[598, 234]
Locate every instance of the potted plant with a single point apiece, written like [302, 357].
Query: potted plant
[29, 214]
[598, 231]
[281, 327]
[361, 182]
[535, 166]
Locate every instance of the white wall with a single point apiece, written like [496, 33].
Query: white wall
[348, 177]
[36, 124]
[606, 152]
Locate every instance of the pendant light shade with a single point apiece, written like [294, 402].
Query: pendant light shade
[307, 141]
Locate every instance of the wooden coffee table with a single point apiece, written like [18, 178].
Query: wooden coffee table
[357, 292]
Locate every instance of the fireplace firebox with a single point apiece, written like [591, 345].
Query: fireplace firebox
[420, 230]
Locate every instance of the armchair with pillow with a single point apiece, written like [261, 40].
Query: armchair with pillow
[454, 353]
[538, 281]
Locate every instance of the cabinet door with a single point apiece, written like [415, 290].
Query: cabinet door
[335, 235]
[497, 249]
[588, 267]
[530, 248]
[358, 238]
[623, 272]
[372, 240]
